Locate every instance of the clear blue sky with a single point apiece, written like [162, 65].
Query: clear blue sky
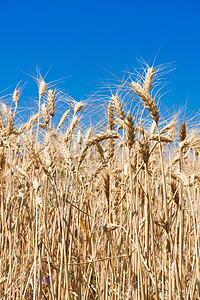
[80, 38]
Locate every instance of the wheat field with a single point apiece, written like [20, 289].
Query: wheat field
[108, 212]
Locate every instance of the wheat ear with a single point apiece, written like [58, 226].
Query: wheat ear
[16, 96]
[78, 107]
[42, 88]
[10, 125]
[2, 157]
[130, 130]
[62, 120]
[91, 141]
[45, 113]
[42, 91]
[106, 188]
[183, 132]
[32, 121]
[111, 126]
[148, 79]
[51, 104]
[2, 125]
[118, 107]
[149, 102]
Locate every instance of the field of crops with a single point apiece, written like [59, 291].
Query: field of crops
[99, 212]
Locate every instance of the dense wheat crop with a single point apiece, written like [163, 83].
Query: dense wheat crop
[90, 213]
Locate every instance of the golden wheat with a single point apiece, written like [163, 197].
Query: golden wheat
[108, 214]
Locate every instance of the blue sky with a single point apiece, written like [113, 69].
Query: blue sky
[80, 39]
